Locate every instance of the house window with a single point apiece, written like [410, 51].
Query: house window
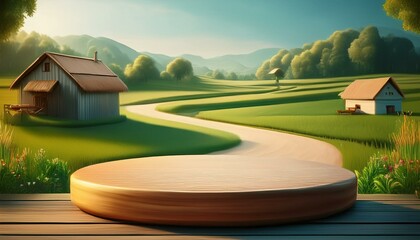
[46, 67]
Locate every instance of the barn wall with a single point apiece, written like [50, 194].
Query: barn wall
[366, 106]
[98, 105]
[388, 92]
[381, 105]
[63, 101]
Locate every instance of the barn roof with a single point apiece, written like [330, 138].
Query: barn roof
[368, 89]
[89, 75]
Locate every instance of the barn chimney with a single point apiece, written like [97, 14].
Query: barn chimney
[95, 56]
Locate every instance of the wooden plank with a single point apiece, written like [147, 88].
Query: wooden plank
[213, 237]
[373, 217]
[66, 196]
[50, 217]
[389, 197]
[386, 206]
[36, 197]
[39, 216]
[65, 212]
[286, 230]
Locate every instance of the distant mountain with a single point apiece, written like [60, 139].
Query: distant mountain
[250, 60]
[110, 51]
[113, 52]
[240, 63]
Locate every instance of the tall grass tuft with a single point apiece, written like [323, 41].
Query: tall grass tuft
[6, 137]
[407, 140]
[396, 170]
[24, 172]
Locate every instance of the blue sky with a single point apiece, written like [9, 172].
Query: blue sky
[207, 28]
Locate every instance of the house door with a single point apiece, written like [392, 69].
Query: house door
[41, 101]
[390, 109]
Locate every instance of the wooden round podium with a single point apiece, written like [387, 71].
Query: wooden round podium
[213, 190]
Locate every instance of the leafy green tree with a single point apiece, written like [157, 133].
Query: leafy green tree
[365, 51]
[164, 75]
[180, 68]
[142, 69]
[263, 70]
[12, 16]
[406, 10]
[117, 70]
[217, 74]
[232, 76]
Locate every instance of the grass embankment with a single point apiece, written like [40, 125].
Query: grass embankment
[137, 136]
[309, 107]
[164, 91]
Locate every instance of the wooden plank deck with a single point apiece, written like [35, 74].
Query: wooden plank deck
[53, 216]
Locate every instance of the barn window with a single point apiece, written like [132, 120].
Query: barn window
[46, 67]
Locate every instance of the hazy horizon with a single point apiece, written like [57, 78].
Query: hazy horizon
[206, 28]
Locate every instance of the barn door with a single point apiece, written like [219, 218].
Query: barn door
[390, 109]
[41, 101]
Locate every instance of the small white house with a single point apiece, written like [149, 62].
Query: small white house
[373, 96]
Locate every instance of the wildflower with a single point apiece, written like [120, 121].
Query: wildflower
[401, 162]
[21, 185]
[386, 176]
[29, 183]
[390, 168]
[3, 163]
[384, 157]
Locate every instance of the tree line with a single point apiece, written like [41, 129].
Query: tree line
[345, 53]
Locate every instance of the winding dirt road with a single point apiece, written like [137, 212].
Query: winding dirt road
[257, 142]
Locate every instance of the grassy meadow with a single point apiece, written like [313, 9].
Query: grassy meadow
[306, 107]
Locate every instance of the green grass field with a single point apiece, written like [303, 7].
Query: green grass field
[164, 91]
[309, 107]
[306, 107]
[83, 143]
[135, 137]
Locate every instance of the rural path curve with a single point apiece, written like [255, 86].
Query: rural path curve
[257, 142]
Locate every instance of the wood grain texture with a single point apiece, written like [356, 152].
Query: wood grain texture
[218, 190]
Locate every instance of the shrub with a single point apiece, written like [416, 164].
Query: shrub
[397, 170]
[24, 172]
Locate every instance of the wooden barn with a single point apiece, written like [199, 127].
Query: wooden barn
[373, 96]
[70, 87]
